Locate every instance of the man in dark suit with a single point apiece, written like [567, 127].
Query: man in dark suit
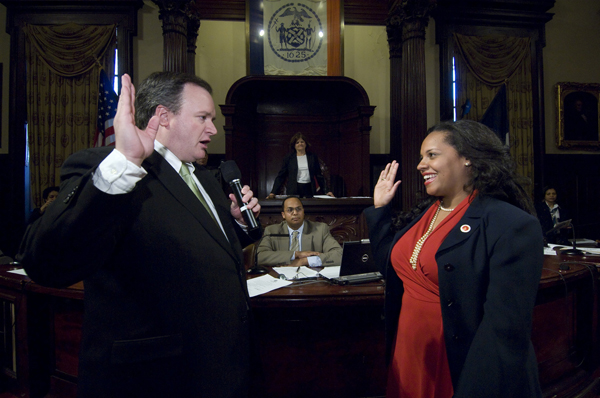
[315, 245]
[166, 301]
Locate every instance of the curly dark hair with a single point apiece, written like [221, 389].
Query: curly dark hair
[163, 88]
[296, 137]
[546, 188]
[46, 192]
[493, 171]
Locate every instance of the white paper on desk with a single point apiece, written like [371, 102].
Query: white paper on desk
[589, 250]
[586, 250]
[264, 284]
[18, 272]
[291, 274]
[330, 272]
[549, 251]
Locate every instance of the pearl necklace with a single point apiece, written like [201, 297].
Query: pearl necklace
[444, 209]
[420, 242]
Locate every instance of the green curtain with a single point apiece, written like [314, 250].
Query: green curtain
[63, 67]
[483, 65]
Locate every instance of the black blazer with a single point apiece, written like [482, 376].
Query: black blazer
[289, 170]
[166, 301]
[488, 280]
[543, 214]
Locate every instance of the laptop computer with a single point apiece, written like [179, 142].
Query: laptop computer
[358, 264]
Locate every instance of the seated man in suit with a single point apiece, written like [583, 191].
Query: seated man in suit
[296, 241]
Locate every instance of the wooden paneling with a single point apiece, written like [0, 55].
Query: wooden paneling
[355, 12]
[365, 12]
[335, 55]
[262, 113]
[229, 10]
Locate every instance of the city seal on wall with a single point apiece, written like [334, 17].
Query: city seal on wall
[295, 33]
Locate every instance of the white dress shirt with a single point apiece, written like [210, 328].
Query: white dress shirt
[303, 172]
[117, 175]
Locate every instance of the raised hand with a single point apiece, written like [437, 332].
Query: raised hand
[386, 187]
[134, 143]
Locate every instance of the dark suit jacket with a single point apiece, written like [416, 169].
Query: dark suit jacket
[543, 213]
[488, 280]
[289, 170]
[166, 301]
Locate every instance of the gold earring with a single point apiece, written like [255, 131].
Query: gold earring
[467, 164]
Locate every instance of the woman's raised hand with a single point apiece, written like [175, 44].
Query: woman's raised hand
[386, 188]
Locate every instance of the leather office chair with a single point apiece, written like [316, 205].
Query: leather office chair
[249, 256]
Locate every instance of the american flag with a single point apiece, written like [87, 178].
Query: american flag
[107, 108]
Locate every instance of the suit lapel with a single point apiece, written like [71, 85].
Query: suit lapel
[155, 164]
[209, 183]
[466, 226]
[281, 243]
[307, 236]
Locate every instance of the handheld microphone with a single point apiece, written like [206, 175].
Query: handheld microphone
[231, 173]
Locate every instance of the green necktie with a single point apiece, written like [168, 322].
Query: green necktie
[187, 177]
[295, 245]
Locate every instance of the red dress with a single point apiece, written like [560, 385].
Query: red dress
[419, 367]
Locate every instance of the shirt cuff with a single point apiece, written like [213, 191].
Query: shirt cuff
[244, 227]
[116, 175]
[314, 261]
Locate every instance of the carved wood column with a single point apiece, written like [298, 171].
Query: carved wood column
[180, 23]
[192, 37]
[406, 25]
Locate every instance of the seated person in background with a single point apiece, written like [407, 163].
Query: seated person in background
[313, 246]
[48, 196]
[302, 170]
[215, 171]
[550, 213]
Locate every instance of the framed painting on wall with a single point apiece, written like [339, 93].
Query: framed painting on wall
[301, 37]
[578, 115]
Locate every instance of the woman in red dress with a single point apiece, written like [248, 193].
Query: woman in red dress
[462, 271]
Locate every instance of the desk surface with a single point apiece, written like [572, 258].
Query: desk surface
[579, 266]
[321, 292]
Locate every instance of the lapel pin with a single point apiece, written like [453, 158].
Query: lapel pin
[465, 228]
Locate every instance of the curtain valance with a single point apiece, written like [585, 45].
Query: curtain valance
[70, 50]
[493, 59]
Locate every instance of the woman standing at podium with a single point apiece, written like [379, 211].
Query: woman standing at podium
[302, 171]
[462, 271]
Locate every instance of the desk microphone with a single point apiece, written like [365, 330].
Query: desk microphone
[574, 250]
[231, 173]
[259, 269]
[565, 224]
